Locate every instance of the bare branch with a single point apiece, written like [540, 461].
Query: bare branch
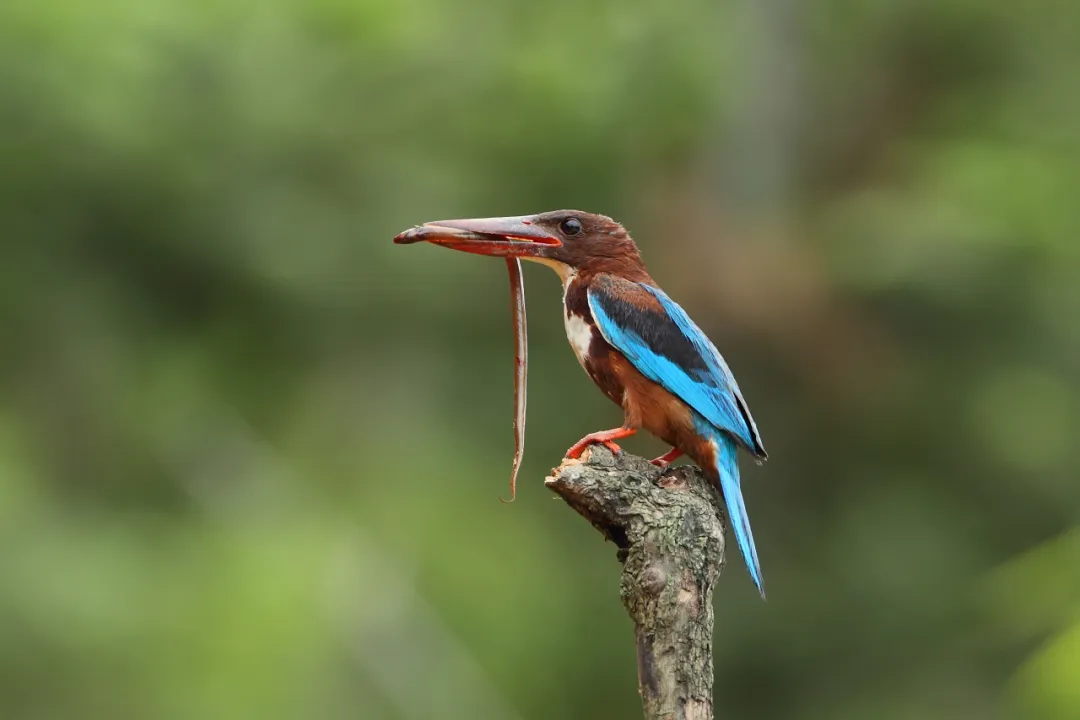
[671, 543]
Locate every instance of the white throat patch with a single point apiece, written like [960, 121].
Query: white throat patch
[580, 335]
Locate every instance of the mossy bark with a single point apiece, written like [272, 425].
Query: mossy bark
[670, 536]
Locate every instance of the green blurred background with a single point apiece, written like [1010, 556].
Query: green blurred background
[250, 451]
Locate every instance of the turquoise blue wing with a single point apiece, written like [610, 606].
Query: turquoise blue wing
[665, 345]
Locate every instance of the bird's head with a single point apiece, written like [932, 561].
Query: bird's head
[568, 241]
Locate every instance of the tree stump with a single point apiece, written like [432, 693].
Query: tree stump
[668, 528]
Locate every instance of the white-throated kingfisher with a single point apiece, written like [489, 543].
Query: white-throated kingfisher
[635, 342]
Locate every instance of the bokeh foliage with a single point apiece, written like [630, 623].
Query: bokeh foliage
[250, 451]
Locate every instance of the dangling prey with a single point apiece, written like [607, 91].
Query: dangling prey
[639, 347]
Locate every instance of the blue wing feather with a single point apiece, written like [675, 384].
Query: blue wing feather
[669, 349]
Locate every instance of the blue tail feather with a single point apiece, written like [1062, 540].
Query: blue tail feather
[728, 469]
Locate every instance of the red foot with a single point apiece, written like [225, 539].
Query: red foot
[604, 437]
[664, 460]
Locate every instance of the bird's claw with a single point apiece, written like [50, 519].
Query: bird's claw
[612, 447]
[604, 437]
[666, 459]
[577, 450]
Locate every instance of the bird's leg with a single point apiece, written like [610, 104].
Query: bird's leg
[603, 436]
[666, 459]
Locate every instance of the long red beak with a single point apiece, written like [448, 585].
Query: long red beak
[503, 237]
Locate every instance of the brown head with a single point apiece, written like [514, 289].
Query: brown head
[568, 241]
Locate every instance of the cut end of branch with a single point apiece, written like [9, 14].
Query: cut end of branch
[608, 489]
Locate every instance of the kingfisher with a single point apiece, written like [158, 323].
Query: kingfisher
[636, 344]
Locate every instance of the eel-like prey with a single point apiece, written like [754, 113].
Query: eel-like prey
[521, 366]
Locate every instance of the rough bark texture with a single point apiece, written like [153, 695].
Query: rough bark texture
[671, 543]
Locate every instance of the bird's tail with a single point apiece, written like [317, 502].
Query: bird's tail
[728, 468]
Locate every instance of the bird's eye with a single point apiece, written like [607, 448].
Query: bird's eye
[570, 226]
